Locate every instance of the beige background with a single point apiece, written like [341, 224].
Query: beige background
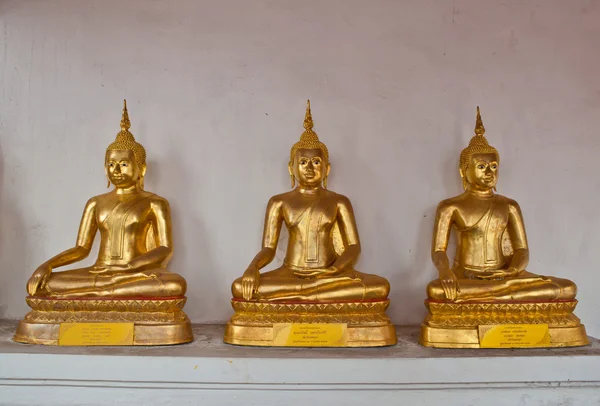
[217, 90]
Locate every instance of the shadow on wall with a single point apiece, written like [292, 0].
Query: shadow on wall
[5, 7]
[8, 7]
[13, 240]
[409, 285]
[191, 241]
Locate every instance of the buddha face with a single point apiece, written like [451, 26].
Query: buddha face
[482, 171]
[121, 168]
[309, 167]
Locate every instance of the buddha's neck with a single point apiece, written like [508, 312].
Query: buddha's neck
[309, 190]
[130, 190]
[480, 192]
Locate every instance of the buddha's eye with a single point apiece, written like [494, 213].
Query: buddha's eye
[111, 164]
[123, 164]
[303, 162]
[481, 166]
[316, 162]
[494, 166]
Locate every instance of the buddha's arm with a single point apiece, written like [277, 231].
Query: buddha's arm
[159, 256]
[272, 229]
[518, 238]
[273, 220]
[349, 231]
[441, 236]
[85, 239]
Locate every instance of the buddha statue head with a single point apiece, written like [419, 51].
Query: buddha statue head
[125, 160]
[479, 161]
[309, 158]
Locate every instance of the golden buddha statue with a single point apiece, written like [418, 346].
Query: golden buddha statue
[488, 283]
[129, 281]
[317, 282]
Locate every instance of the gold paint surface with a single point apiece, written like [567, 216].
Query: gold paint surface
[135, 246]
[156, 321]
[491, 258]
[323, 244]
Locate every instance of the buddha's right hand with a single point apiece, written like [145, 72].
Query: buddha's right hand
[250, 280]
[449, 283]
[39, 279]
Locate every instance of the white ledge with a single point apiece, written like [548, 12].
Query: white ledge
[209, 370]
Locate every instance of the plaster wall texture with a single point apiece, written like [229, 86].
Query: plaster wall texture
[216, 93]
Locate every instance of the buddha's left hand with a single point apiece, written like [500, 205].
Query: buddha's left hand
[500, 274]
[318, 273]
[102, 269]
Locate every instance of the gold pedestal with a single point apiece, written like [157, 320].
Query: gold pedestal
[367, 325]
[158, 321]
[456, 325]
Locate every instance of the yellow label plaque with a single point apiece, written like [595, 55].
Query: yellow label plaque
[95, 334]
[310, 335]
[514, 336]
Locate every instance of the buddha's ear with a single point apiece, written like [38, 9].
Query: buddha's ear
[107, 178]
[463, 176]
[142, 174]
[326, 176]
[291, 171]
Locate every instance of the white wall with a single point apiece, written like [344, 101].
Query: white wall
[217, 90]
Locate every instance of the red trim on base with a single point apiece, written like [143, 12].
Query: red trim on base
[107, 298]
[501, 301]
[310, 301]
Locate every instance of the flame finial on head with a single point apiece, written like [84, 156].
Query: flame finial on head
[125, 123]
[308, 121]
[479, 128]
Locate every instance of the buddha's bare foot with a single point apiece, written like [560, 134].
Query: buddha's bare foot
[317, 273]
[91, 294]
[497, 274]
[99, 269]
[128, 277]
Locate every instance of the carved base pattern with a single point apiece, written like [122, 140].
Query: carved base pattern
[473, 314]
[455, 325]
[107, 305]
[156, 321]
[105, 310]
[263, 313]
[367, 323]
